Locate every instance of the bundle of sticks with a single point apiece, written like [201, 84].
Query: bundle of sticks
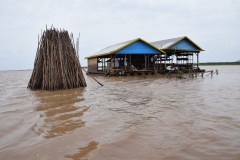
[57, 63]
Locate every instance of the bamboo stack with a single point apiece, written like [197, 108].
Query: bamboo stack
[57, 63]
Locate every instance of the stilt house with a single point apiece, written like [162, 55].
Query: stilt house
[181, 48]
[136, 54]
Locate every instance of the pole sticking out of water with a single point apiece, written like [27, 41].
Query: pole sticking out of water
[92, 77]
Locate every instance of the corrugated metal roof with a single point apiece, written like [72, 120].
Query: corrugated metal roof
[116, 47]
[163, 44]
[166, 44]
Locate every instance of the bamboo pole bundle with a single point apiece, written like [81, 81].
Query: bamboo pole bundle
[57, 63]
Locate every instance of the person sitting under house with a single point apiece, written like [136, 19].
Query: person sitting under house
[133, 68]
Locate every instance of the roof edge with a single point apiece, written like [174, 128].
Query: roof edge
[111, 52]
[184, 50]
[168, 47]
[152, 45]
[127, 44]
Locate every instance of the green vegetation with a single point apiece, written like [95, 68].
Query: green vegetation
[179, 72]
[219, 63]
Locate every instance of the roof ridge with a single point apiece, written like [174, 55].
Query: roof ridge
[169, 39]
[167, 43]
[119, 43]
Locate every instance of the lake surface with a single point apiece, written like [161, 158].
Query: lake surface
[128, 118]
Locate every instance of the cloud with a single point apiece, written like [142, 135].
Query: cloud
[213, 25]
[2, 56]
[16, 55]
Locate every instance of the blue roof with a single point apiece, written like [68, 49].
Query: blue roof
[180, 43]
[135, 46]
[138, 47]
[184, 44]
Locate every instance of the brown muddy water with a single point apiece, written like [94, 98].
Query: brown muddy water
[127, 118]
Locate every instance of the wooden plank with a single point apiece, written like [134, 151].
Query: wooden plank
[184, 59]
[92, 65]
[184, 54]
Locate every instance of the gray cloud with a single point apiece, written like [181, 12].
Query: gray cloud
[214, 25]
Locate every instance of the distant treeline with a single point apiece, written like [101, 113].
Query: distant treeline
[220, 63]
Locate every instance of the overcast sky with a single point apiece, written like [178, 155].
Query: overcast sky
[213, 25]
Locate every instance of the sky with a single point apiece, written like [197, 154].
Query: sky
[213, 25]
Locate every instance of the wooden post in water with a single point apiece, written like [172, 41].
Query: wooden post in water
[197, 59]
[92, 77]
[145, 61]
[130, 61]
[125, 62]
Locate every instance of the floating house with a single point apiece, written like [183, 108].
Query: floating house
[129, 56]
[182, 49]
[138, 55]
